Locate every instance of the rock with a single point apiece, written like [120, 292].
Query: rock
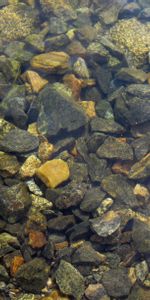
[57, 113]
[9, 67]
[80, 68]
[96, 292]
[141, 270]
[97, 52]
[141, 146]
[29, 167]
[103, 78]
[76, 48]
[41, 204]
[144, 3]
[7, 243]
[106, 126]
[85, 254]
[94, 141]
[61, 223]
[75, 84]
[32, 276]
[109, 14]
[36, 222]
[117, 283]
[3, 274]
[121, 167]
[55, 295]
[55, 42]
[104, 206]
[45, 150]
[9, 164]
[37, 239]
[53, 172]
[16, 263]
[35, 80]
[139, 293]
[33, 187]
[141, 236]
[104, 110]
[35, 42]
[141, 169]
[62, 8]
[97, 168]
[92, 199]
[16, 51]
[14, 202]
[141, 192]
[139, 90]
[131, 75]
[144, 15]
[25, 296]
[69, 280]
[89, 108]
[51, 62]
[113, 148]
[78, 231]
[19, 141]
[117, 186]
[129, 10]
[78, 172]
[107, 224]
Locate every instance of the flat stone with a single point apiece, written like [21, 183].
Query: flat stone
[96, 292]
[113, 148]
[61, 223]
[37, 239]
[32, 276]
[141, 169]
[14, 202]
[139, 293]
[139, 90]
[141, 146]
[106, 126]
[53, 172]
[7, 243]
[85, 254]
[117, 186]
[141, 236]
[117, 283]
[36, 81]
[92, 199]
[18, 141]
[51, 62]
[9, 164]
[69, 280]
[107, 224]
[131, 75]
[29, 167]
[97, 168]
[80, 68]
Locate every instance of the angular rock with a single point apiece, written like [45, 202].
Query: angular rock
[37, 239]
[19, 141]
[53, 172]
[139, 293]
[8, 243]
[106, 126]
[97, 168]
[94, 141]
[131, 75]
[141, 236]
[36, 81]
[9, 164]
[33, 275]
[96, 292]
[78, 231]
[139, 90]
[80, 68]
[117, 282]
[29, 167]
[92, 199]
[118, 187]
[3, 274]
[16, 262]
[69, 280]
[129, 10]
[113, 148]
[144, 3]
[107, 224]
[141, 146]
[103, 78]
[141, 169]
[58, 114]
[85, 254]
[61, 223]
[14, 202]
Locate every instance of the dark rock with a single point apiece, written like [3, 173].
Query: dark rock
[54, 43]
[80, 215]
[9, 67]
[109, 14]
[141, 169]
[97, 52]
[78, 172]
[19, 141]
[85, 254]
[129, 10]
[141, 236]
[144, 3]
[106, 126]
[139, 90]
[92, 199]
[131, 75]
[7, 243]
[61, 223]
[57, 113]
[113, 148]
[33, 275]
[14, 202]
[139, 293]
[3, 274]
[97, 168]
[82, 148]
[107, 224]
[94, 141]
[104, 110]
[103, 78]
[78, 231]
[48, 251]
[69, 280]
[117, 282]
[96, 292]
[16, 50]
[117, 186]
[141, 146]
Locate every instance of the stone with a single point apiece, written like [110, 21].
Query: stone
[35, 80]
[9, 164]
[118, 187]
[144, 14]
[113, 148]
[78, 231]
[33, 187]
[80, 68]
[129, 10]
[141, 169]
[139, 90]
[121, 167]
[16, 50]
[76, 48]
[51, 62]
[97, 168]
[97, 52]
[69, 280]
[103, 78]
[9, 67]
[141, 192]
[36, 222]
[41, 204]
[55, 42]
[96, 292]
[107, 224]
[104, 206]
[58, 113]
[32, 276]
[141, 146]
[104, 111]
[110, 12]
[144, 3]
[141, 236]
[18, 141]
[3, 274]
[8, 243]
[53, 172]
[55, 295]
[45, 150]
[58, 9]
[29, 167]
[16, 262]
[35, 42]
[61, 223]
[37, 239]
[131, 75]
[92, 199]
[89, 108]
[106, 126]
[75, 84]
[139, 293]
[117, 283]
[14, 202]
[94, 141]
[141, 270]
[85, 254]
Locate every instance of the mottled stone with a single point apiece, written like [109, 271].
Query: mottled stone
[131, 75]
[45, 150]
[89, 108]
[92, 199]
[96, 292]
[16, 262]
[141, 169]
[106, 126]
[9, 164]
[36, 81]
[7, 243]
[141, 270]
[69, 280]
[85, 254]
[97, 168]
[139, 293]
[61, 223]
[37, 239]
[141, 236]
[29, 167]
[80, 68]
[53, 172]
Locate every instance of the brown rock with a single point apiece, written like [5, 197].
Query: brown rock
[53, 172]
[60, 246]
[121, 167]
[76, 48]
[37, 239]
[35, 80]
[29, 167]
[55, 295]
[16, 262]
[51, 62]
[75, 84]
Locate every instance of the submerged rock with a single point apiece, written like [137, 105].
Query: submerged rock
[131, 75]
[141, 169]
[141, 236]
[9, 164]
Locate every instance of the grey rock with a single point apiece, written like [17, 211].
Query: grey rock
[8, 243]
[58, 113]
[106, 126]
[140, 293]
[103, 78]
[129, 10]
[139, 90]
[112, 148]
[104, 110]
[92, 199]
[94, 141]
[54, 43]
[32, 276]
[106, 225]
[131, 75]
[3, 274]
[78, 231]
[141, 169]
[69, 280]
[141, 236]
[85, 254]
[61, 223]
[97, 168]
[14, 202]
[145, 14]
[141, 146]
[96, 292]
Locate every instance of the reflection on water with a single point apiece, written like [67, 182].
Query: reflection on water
[74, 149]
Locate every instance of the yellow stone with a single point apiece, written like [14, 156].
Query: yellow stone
[89, 108]
[29, 167]
[32, 128]
[71, 33]
[45, 150]
[141, 191]
[35, 80]
[55, 295]
[51, 62]
[53, 172]
[132, 275]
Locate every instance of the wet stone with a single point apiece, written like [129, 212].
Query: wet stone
[141, 169]
[97, 168]
[85, 254]
[61, 223]
[131, 75]
[3, 274]
[106, 126]
[92, 199]
[9, 164]
[8, 243]
[69, 280]
[96, 292]
[141, 146]
[139, 293]
[113, 148]
[141, 236]
[117, 282]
